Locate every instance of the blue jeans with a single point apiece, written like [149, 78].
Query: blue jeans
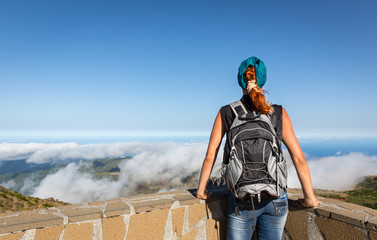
[270, 219]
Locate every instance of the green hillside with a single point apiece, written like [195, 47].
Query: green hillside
[365, 193]
[13, 201]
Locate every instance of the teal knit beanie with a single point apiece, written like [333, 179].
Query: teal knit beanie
[260, 71]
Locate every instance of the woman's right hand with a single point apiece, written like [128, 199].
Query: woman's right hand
[203, 195]
[217, 134]
[309, 202]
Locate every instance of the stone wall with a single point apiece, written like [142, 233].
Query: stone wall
[333, 219]
[179, 215]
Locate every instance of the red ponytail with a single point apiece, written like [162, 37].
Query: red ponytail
[259, 101]
[256, 94]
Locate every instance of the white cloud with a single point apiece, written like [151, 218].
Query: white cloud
[73, 186]
[65, 152]
[341, 172]
[18, 151]
[161, 161]
[151, 162]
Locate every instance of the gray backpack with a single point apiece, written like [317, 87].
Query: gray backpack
[255, 164]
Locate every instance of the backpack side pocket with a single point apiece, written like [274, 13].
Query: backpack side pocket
[282, 173]
[233, 171]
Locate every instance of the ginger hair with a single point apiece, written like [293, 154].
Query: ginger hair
[256, 93]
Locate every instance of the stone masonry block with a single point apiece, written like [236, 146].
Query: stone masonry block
[28, 220]
[82, 231]
[150, 225]
[178, 219]
[216, 229]
[97, 203]
[8, 213]
[190, 235]
[197, 212]
[147, 206]
[295, 195]
[372, 224]
[373, 235]
[81, 213]
[333, 229]
[324, 211]
[162, 194]
[294, 190]
[186, 199]
[297, 224]
[351, 206]
[12, 236]
[51, 233]
[153, 196]
[354, 218]
[115, 200]
[331, 200]
[371, 212]
[113, 228]
[116, 208]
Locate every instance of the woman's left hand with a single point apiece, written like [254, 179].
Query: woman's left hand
[309, 202]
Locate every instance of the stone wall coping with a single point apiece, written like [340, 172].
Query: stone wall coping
[372, 224]
[14, 222]
[29, 220]
[116, 208]
[349, 213]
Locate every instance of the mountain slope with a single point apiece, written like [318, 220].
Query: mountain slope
[13, 201]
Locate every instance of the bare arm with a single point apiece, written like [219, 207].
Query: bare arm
[298, 158]
[217, 134]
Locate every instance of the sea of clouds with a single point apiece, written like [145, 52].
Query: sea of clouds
[155, 161]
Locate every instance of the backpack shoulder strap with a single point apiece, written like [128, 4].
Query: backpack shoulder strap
[238, 108]
[277, 120]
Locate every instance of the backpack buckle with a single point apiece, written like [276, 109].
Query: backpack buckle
[232, 152]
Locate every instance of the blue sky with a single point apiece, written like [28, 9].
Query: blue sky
[166, 67]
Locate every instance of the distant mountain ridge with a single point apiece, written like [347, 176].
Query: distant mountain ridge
[18, 166]
[14, 173]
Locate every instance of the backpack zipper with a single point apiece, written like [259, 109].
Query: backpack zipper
[233, 140]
